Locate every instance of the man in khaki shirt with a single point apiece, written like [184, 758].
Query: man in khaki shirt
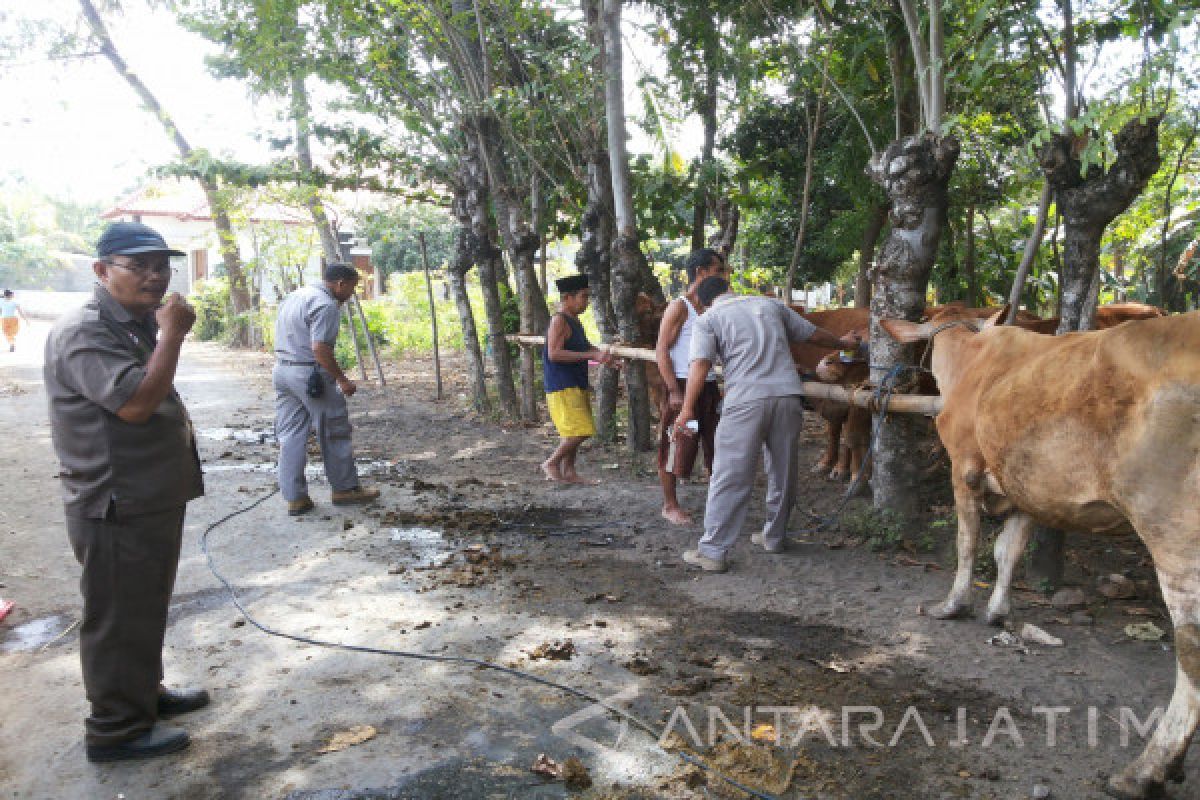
[129, 467]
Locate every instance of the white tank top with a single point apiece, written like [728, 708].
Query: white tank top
[681, 350]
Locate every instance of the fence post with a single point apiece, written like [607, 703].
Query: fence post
[437, 359]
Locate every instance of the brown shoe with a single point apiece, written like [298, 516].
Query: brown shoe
[298, 507]
[356, 495]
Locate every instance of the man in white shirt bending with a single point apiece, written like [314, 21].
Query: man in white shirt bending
[674, 345]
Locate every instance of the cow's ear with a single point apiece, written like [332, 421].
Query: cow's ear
[999, 318]
[906, 332]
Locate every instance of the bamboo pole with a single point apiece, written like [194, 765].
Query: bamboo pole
[369, 338]
[362, 364]
[863, 397]
[437, 359]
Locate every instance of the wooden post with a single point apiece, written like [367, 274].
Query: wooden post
[862, 397]
[437, 360]
[362, 364]
[370, 340]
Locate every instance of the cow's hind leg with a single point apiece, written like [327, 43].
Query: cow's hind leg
[1162, 760]
[958, 603]
[1010, 544]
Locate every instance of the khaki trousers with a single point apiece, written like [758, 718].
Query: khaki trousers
[770, 426]
[128, 575]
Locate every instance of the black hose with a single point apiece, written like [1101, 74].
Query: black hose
[474, 662]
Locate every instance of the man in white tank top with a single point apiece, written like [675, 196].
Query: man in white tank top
[674, 344]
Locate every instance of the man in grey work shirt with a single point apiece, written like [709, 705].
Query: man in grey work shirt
[749, 335]
[305, 333]
[129, 468]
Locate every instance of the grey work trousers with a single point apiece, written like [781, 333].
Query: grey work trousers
[129, 568]
[770, 426]
[295, 415]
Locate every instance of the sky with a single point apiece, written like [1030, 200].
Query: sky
[76, 130]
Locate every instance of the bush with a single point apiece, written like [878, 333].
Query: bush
[210, 298]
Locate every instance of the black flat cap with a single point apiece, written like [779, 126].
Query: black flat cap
[131, 238]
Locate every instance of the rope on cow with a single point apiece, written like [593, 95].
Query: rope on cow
[882, 397]
[477, 663]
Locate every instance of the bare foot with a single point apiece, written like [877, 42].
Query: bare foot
[551, 472]
[676, 516]
[574, 477]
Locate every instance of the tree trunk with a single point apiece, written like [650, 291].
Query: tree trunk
[488, 261]
[915, 173]
[459, 266]
[629, 264]
[703, 195]
[728, 217]
[522, 245]
[813, 125]
[594, 258]
[1031, 247]
[1089, 203]
[302, 117]
[866, 254]
[969, 271]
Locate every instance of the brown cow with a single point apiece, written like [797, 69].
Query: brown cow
[1107, 316]
[1096, 432]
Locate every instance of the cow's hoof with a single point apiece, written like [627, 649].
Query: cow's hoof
[996, 618]
[821, 467]
[950, 611]
[1125, 787]
[1176, 773]
[835, 475]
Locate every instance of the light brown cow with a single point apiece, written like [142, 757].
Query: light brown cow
[1095, 432]
[855, 424]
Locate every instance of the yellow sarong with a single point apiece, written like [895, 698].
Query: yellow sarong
[571, 410]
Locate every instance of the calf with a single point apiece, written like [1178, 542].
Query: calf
[853, 422]
[1097, 432]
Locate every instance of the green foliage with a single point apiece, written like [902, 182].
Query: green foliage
[210, 298]
[882, 528]
[392, 235]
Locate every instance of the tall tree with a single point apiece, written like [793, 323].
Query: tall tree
[628, 262]
[914, 171]
[239, 291]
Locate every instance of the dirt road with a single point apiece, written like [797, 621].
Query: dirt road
[470, 554]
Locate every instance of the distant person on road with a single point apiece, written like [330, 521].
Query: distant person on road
[671, 354]
[565, 378]
[9, 311]
[129, 468]
[749, 335]
[311, 391]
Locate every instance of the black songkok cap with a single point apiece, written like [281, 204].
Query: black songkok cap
[571, 283]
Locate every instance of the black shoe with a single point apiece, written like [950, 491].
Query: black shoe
[158, 741]
[172, 702]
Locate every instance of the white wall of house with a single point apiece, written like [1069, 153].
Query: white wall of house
[198, 239]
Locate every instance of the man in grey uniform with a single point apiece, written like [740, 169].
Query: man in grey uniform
[129, 468]
[749, 335]
[311, 391]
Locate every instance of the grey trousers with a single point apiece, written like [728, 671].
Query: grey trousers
[770, 426]
[295, 415]
[128, 575]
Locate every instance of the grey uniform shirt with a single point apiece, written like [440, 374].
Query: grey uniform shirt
[749, 335]
[309, 314]
[95, 359]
